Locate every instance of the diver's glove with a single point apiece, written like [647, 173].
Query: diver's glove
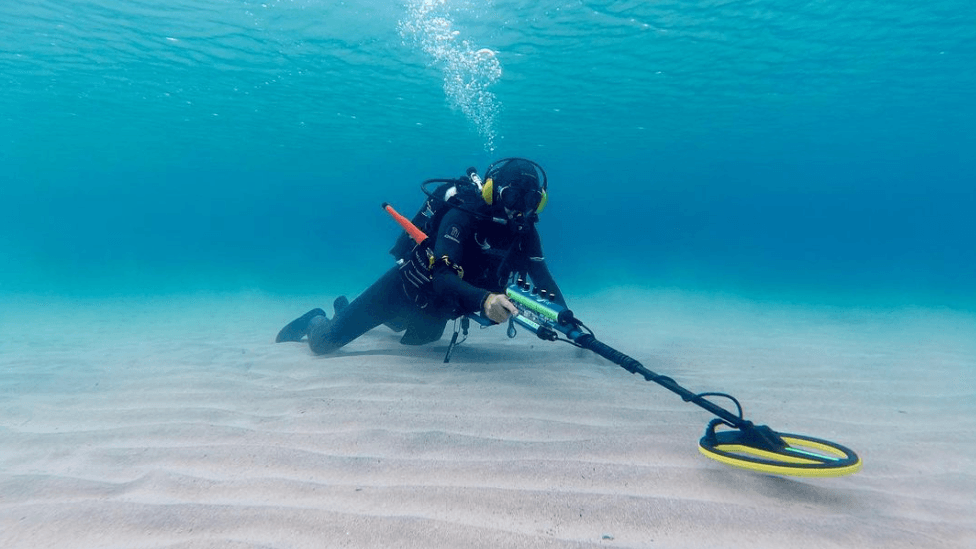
[498, 308]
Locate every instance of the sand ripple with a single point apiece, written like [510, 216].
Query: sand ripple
[228, 440]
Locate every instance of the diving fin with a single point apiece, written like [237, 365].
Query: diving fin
[296, 329]
[340, 303]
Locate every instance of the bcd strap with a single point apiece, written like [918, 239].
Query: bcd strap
[458, 270]
[417, 273]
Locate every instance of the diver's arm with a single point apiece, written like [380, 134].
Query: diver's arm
[469, 299]
[464, 297]
[539, 271]
[454, 229]
[542, 279]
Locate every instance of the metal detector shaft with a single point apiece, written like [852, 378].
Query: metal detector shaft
[747, 445]
[587, 341]
[547, 316]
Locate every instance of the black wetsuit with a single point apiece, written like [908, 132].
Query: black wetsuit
[488, 252]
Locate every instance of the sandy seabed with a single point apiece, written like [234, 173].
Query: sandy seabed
[176, 421]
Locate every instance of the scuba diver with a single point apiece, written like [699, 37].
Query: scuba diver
[477, 244]
[482, 237]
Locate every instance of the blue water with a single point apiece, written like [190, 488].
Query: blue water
[808, 150]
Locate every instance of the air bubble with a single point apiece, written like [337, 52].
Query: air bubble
[468, 71]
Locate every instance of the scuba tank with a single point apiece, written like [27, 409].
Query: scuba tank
[415, 258]
[463, 191]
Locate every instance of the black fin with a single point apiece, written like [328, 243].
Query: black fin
[340, 303]
[295, 330]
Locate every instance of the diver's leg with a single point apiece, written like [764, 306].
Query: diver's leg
[296, 329]
[423, 327]
[380, 302]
